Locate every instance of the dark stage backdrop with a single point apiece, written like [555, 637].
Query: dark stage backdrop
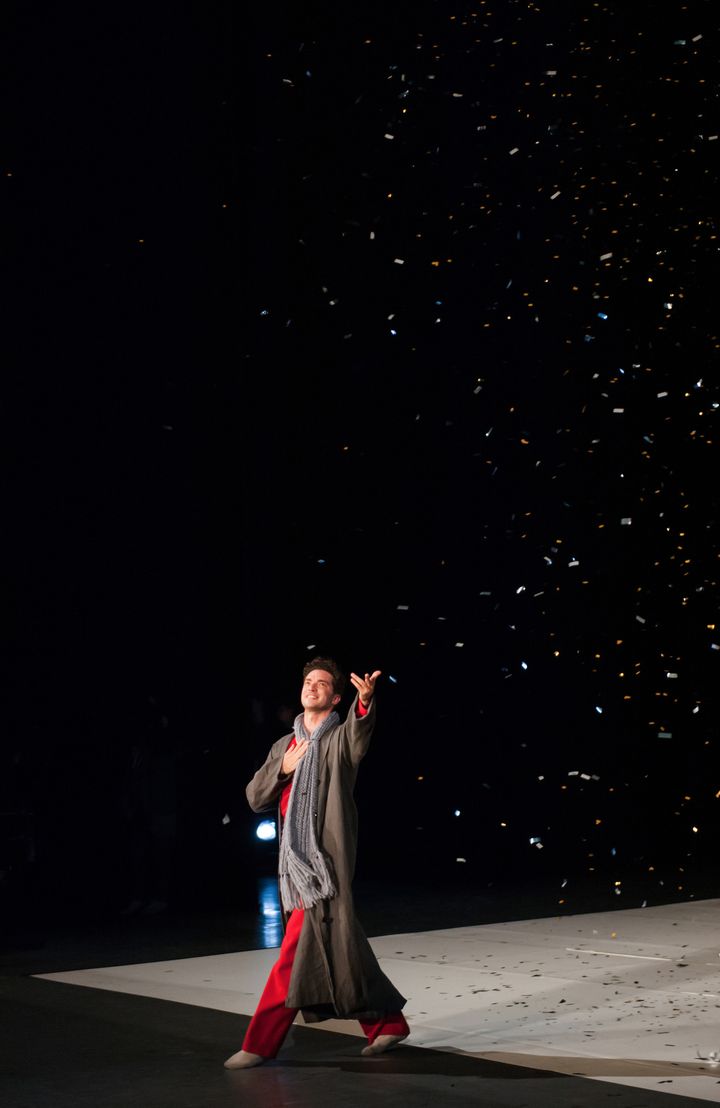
[383, 331]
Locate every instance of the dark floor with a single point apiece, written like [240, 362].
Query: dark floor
[69, 1047]
[38, 942]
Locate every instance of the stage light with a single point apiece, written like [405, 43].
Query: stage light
[266, 831]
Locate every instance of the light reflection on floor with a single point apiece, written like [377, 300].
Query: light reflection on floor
[270, 928]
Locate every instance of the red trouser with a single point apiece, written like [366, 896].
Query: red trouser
[272, 1018]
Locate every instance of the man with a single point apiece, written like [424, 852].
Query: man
[326, 966]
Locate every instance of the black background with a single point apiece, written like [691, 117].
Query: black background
[216, 472]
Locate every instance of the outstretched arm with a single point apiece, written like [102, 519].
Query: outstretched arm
[365, 686]
[358, 727]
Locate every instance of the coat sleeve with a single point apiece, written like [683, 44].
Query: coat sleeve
[266, 787]
[357, 732]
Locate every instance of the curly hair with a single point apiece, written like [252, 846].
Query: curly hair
[330, 666]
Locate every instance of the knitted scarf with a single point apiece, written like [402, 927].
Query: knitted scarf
[304, 874]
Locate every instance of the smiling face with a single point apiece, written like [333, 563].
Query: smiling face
[318, 692]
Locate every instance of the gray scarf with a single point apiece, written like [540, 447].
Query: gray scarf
[304, 874]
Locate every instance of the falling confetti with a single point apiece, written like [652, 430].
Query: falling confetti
[474, 374]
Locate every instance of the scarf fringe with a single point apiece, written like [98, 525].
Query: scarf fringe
[316, 882]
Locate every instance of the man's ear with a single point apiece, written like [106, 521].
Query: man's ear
[336, 699]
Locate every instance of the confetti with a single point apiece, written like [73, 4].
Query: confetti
[477, 397]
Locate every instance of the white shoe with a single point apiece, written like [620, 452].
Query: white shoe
[243, 1060]
[381, 1044]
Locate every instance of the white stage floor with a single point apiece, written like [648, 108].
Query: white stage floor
[631, 997]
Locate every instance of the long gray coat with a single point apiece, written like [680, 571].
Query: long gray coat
[335, 973]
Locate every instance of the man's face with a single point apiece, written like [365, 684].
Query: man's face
[317, 692]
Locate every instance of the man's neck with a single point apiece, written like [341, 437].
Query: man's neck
[311, 720]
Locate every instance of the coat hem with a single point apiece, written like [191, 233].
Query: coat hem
[321, 1012]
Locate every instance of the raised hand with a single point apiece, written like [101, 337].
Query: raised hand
[292, 757]
[365, 686]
